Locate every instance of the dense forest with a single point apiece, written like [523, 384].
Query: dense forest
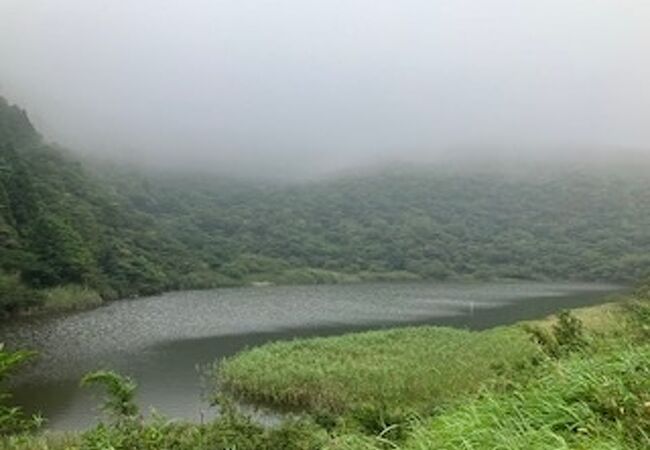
[70, 231]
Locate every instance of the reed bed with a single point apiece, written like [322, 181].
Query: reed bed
[586, 402]
[407, 369]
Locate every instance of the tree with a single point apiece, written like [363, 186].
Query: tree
[62, 255]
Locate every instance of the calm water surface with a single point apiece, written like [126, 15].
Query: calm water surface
[162, 340]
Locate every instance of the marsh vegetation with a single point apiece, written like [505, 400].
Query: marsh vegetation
[161, 340]
[590, 391]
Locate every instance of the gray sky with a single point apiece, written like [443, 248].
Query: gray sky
[322, 84]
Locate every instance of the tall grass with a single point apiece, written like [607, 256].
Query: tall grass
[594, 398]
[406, 369]
[70, 297]
[584, 402]
[46, 441]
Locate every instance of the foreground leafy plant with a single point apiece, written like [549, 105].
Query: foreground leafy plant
[12, 418]
[120, 390]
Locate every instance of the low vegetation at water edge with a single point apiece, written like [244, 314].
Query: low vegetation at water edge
[578, 381]
[406, 369]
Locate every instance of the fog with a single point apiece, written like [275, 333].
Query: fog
[320, 85]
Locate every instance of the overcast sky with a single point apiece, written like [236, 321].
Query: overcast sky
[317, 84]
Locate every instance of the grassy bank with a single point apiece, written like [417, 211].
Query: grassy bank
[577, 381]
[70, 298]
[594, 402]
[407, 369]
[16, 298]
[414, 369]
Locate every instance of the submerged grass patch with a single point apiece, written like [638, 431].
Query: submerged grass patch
[406, 369]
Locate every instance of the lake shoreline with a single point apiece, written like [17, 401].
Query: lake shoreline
[164, 361]
[93, 300]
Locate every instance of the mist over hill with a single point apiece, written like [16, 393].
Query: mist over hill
[121, 232]
[467, 163]
[291, 88]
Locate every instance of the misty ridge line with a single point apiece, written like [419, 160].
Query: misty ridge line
[506, 159]
[505, 163]
[508, 162]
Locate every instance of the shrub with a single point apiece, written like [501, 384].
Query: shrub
[569, 332]
[565, 336]
[15, 295]
[639, 318]
[70, 297]
[545, 339]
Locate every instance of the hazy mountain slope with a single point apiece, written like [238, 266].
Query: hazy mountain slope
[59, 225]
[435, 223]
[123, 233]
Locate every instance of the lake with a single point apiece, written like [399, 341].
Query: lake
[162, 341]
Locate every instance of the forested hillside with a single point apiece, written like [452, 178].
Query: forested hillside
[75, 231]
[60, 226]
